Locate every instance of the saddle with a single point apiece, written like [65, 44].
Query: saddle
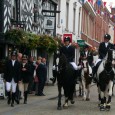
[96, 67]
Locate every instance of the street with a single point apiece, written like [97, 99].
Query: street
[47, 105]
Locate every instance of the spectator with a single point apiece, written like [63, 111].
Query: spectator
[25, 74]
[31, 81]
[36, 80]
[41, 73]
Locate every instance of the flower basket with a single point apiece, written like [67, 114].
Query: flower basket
[14, 36]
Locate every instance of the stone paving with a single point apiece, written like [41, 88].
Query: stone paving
[47, 105]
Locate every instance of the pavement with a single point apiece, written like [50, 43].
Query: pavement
[47, 105]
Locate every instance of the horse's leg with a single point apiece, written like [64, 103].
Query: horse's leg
[110, 85]
[80, 89]
[102, 104]
[99, 96]
[59, 97]
[112, 90]
[88, 93]
[84, 89]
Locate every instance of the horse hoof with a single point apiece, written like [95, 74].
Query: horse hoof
[87, 99]
[108, 107]
[65, 106]
[72, 101]
[102, 108]
[59, 108]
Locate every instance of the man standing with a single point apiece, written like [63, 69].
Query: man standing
[41, 72]
[12, 77]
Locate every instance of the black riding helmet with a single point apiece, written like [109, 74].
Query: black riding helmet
[67, 39]
[107, 36]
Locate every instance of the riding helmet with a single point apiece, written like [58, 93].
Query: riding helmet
[67, 39]
[24, 57]
[13, 53]
[107, 36]
[86, 46]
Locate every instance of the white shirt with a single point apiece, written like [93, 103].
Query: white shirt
[86, 53]
[106, 44]
[13, 62]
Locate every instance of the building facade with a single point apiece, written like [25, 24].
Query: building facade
[30, 15]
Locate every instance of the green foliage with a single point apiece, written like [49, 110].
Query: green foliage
[32, 41]
[14, 36]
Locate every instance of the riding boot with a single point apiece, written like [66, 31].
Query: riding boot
[25, 97]
[13, 98]
[9, 98]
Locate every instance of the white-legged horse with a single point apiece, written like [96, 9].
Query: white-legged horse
[86, 78]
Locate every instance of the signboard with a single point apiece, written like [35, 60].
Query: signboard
[49, 22]
[81, 43]
[67, 35]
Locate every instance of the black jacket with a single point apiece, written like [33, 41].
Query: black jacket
[12, 71]
[89, 56]
[103, 49]
[25, 75]
[41, 71]
[68, 52]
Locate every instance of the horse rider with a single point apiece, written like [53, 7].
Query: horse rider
[103, 49]
[12, 77]
[87, 54]
[69, 51]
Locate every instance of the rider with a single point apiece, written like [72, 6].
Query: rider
[103, 48]
[87, 54]
[69, 51]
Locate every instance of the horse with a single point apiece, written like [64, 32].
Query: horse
[85, 79]
[66, 80]
[105, 76]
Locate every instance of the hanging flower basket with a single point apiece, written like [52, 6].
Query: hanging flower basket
[14, 36]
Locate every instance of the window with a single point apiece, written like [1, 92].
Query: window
[74, 18]
[67, 14]
[59, 8]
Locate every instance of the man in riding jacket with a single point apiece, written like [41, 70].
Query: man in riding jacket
[12, 77]
[103, 48]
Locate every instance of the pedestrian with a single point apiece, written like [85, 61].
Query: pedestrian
[36, 79]
[12, 77]
[31, 81]
[25, 74]
[41, 73]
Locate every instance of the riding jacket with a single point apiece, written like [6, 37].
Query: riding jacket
[103, 49]
[69, 52]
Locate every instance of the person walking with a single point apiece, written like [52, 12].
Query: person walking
[12, 77]
[25, 74]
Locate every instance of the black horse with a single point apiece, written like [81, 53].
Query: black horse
[66, 80]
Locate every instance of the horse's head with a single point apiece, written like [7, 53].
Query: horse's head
[85, 65]
[111, 56]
